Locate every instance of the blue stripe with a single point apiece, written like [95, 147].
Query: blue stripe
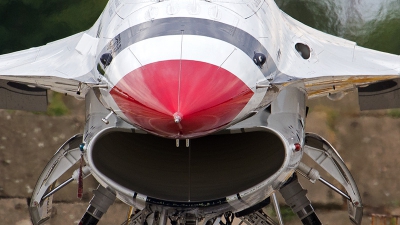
[190, 26]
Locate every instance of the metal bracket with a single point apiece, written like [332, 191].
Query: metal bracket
[136, 219]
[322, 152]
[257, 218]
[66, 156]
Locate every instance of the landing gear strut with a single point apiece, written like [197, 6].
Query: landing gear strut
[101, 201]
[295, 197]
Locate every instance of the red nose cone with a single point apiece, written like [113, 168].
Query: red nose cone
[181, 99]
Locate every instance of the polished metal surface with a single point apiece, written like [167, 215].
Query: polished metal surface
[59, 187]
[337, 190]
[305, 211]
[231, 168]
[95, 212]
[277, 208]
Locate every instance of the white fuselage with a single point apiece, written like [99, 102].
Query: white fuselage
[184, 69]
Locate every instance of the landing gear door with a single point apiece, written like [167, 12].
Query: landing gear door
[68, 154]
[322, 152]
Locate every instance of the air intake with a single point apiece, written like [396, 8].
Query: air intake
[212, 167]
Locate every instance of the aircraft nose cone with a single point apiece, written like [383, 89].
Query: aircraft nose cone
[181, 98]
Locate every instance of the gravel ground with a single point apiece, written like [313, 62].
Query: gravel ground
[70, 213]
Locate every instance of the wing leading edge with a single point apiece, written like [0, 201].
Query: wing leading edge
[61, 66]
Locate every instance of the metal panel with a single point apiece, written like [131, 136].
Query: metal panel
[20, 96]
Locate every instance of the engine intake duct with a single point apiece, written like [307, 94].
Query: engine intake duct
[212, 167]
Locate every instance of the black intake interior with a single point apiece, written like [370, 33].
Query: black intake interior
[213, 167]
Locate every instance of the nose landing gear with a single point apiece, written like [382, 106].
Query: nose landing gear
[101, 201]
[295, 197]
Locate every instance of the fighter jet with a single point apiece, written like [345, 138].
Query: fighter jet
[195, 110]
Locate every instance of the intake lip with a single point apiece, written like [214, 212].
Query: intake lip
[208, 172]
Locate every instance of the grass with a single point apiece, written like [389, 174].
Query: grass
[395, 203]
[56, 105]
[286, 212]
[331, 118]
[394, 113]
